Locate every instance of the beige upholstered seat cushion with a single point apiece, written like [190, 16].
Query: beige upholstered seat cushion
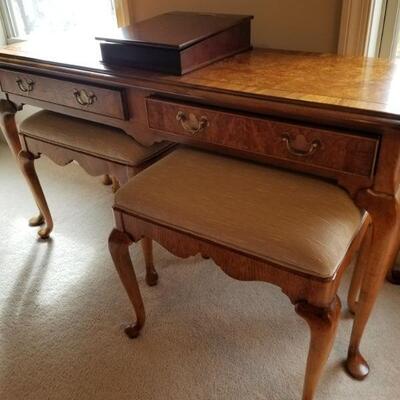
[297, 221]
[89, 137]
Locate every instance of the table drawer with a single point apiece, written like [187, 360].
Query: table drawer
[90, 98]
[292, 143]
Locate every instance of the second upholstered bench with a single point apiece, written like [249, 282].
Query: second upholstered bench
[99, 150]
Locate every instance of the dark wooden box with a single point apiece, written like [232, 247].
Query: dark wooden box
[177, 42]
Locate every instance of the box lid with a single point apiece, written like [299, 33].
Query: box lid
[175, 30]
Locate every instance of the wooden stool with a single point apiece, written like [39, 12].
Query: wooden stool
[99, 150]
[256, 223]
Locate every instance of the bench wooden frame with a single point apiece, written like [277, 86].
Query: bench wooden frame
[32, 148]
[315, 299]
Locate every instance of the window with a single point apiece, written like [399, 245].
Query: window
[390, 30]
[33, 18]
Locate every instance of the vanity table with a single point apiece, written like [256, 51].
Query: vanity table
[333, 117]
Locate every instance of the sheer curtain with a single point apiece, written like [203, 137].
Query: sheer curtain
[124, 12]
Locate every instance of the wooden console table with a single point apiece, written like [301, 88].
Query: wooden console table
[338, 118]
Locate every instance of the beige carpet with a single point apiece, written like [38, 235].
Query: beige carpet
[207, 336]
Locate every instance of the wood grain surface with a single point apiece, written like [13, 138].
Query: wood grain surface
[370, 85]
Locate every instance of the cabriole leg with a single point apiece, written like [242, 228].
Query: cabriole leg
[37, 221]
[111, 180]
[9, 127]
[394, 275]
[28, 168]
[106, 180]
[384, 211]
[118, 244]
[115, 184]
[359, 270]
[323, 324]
[151, 273]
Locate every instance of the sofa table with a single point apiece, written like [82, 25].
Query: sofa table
[333, 117]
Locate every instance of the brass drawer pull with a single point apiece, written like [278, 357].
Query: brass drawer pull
[192, 124]
[25, 85]
[315, 145]
[84, 98]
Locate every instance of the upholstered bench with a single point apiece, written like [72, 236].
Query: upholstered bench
[256, 223]
[99, 150]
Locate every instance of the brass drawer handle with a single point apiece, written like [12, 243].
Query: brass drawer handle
[25, 85]
[192, 124]
[315, 145]
[84, 98]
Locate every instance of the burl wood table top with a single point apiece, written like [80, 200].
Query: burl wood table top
[365, 84]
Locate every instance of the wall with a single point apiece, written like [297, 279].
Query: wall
[310, 25]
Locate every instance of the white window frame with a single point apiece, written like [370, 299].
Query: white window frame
[390, 30]
[7, 19]
[355, 27]
[369, 28]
